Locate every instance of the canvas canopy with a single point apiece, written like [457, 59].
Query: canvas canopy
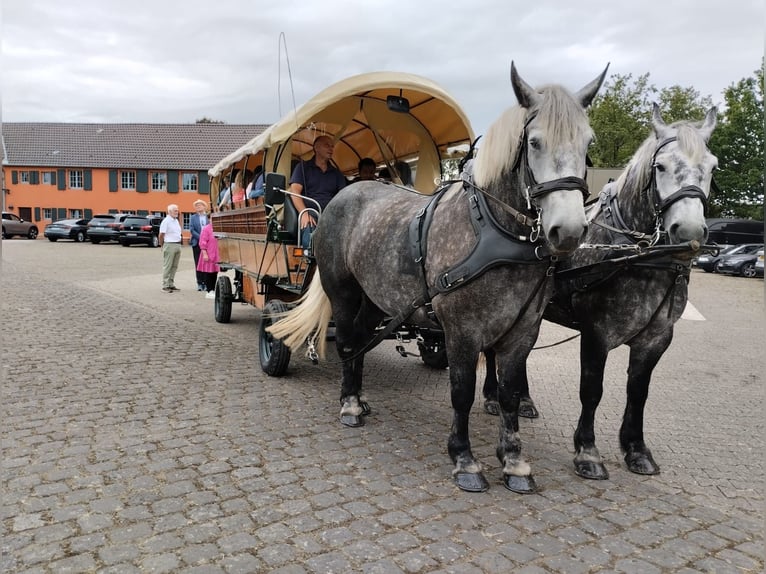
[354, 112]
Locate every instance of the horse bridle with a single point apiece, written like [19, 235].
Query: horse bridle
[661, 205]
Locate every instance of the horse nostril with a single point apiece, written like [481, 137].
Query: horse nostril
[673, 230]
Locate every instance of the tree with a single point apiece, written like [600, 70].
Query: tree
[677, 103]
[738, 142]
[207, 120]
[619, 119]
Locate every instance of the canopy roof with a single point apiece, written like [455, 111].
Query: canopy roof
[355, 113]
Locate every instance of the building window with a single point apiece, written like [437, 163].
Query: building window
[48, 177]
[128, 180]
[159, 181]
[187, 220]
[190, 182]
[75, 213]
[24, 176]
[75, 179]
[47, 213]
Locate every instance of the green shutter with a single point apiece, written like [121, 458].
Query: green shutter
[34, 178]
[142, 181]
[112, 180]
[62, 179]
[53, 178]
[172, 181]
[203, 183]
[143, 212]
[88, 214]
[61, 213]
[37, 214]
[14, 176]
[88, 180]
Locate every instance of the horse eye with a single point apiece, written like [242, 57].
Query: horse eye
[659, 167]
[534, 143]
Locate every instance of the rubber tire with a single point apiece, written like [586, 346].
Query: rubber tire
[748, 270]
[32, 234]
[155, 241]
[222, 305]
[6, 236]
[273, 353]
[433, 359]
[124, 243]
[95, 241]
[79, 237]
[53, 239]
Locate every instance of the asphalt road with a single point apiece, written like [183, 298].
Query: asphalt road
[139, 435]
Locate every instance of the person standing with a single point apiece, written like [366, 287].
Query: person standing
[208, 261]
[318, 179]
[196, 223]
[170, 242]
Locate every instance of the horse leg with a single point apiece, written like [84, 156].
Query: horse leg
[587, 461]
[643, 359]
[467, 473]
[517, 474]
[527, 408]
[348, 334]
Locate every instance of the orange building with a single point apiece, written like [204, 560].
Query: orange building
[58, 170]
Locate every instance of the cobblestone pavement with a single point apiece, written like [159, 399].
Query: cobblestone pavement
[138, 435]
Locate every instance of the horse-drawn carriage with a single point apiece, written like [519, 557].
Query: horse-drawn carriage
[393, 118]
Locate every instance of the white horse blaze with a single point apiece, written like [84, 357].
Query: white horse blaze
[351, 406]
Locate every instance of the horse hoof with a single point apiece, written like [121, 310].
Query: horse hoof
[492, 408]
[641, 463]
[471, 481]
[527, 409]
[352, 420]
[520, 484]
[591, 470]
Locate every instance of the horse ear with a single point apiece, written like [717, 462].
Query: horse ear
[587, 93]
[525, 93]
[658, 124]
[709, 124]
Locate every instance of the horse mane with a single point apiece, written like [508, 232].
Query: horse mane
[637, 173]
[559, 117]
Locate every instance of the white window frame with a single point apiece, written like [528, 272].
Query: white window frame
[47, 213]
[159, 181]
[76, 177]
[186, 216]
[24, 177]
[47, 178]
[190, 183]
[75, 213]
[127, 180]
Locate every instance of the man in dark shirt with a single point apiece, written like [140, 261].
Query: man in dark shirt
[316, 179]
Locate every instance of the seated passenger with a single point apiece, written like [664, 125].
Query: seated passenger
[256, 187]
[366, 170]
[238, 189]
[318, 179]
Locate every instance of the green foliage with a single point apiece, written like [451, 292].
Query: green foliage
[738, 142]
[207, 120]
[677, 103]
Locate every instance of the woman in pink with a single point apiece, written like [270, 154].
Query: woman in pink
[238, 189]
[208, 259]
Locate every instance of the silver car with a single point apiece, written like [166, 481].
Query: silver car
[14, 225]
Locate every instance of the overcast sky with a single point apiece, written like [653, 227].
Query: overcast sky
[170, 61]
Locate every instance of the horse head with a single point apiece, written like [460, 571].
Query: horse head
[680, 174]
[553, 151]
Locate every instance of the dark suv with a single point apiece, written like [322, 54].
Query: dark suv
[140, 229]
[105, 227]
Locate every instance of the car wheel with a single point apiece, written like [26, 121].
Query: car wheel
[6, 235]
[95, 241]
[223, 299]
[53, 239]
[79, 237]
[717, 267]
[124, 243]
[747, 270]
[272, 352]
[32, 233]
[155, 241]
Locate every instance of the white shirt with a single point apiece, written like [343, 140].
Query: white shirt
[172, 230]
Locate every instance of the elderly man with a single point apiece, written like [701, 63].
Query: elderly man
[318, 179]
[170, 242]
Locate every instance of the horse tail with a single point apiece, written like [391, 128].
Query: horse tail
[309, 320]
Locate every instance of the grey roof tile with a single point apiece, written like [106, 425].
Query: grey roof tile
[135, 146]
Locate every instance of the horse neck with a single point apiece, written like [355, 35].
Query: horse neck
[636, 206]
[509, 190]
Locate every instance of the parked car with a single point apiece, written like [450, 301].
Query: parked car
[14, 225]
[105, 227]
[741, 263]
[759, 264]
[140, 229]
[708, 262]
[75, 229]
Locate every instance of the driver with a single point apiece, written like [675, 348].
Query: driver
[318, 179]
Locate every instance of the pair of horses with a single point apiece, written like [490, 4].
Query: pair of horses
[482, 259]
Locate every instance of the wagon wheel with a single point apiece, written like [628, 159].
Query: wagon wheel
[433, 353]
[273, 353]
[223, 299]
